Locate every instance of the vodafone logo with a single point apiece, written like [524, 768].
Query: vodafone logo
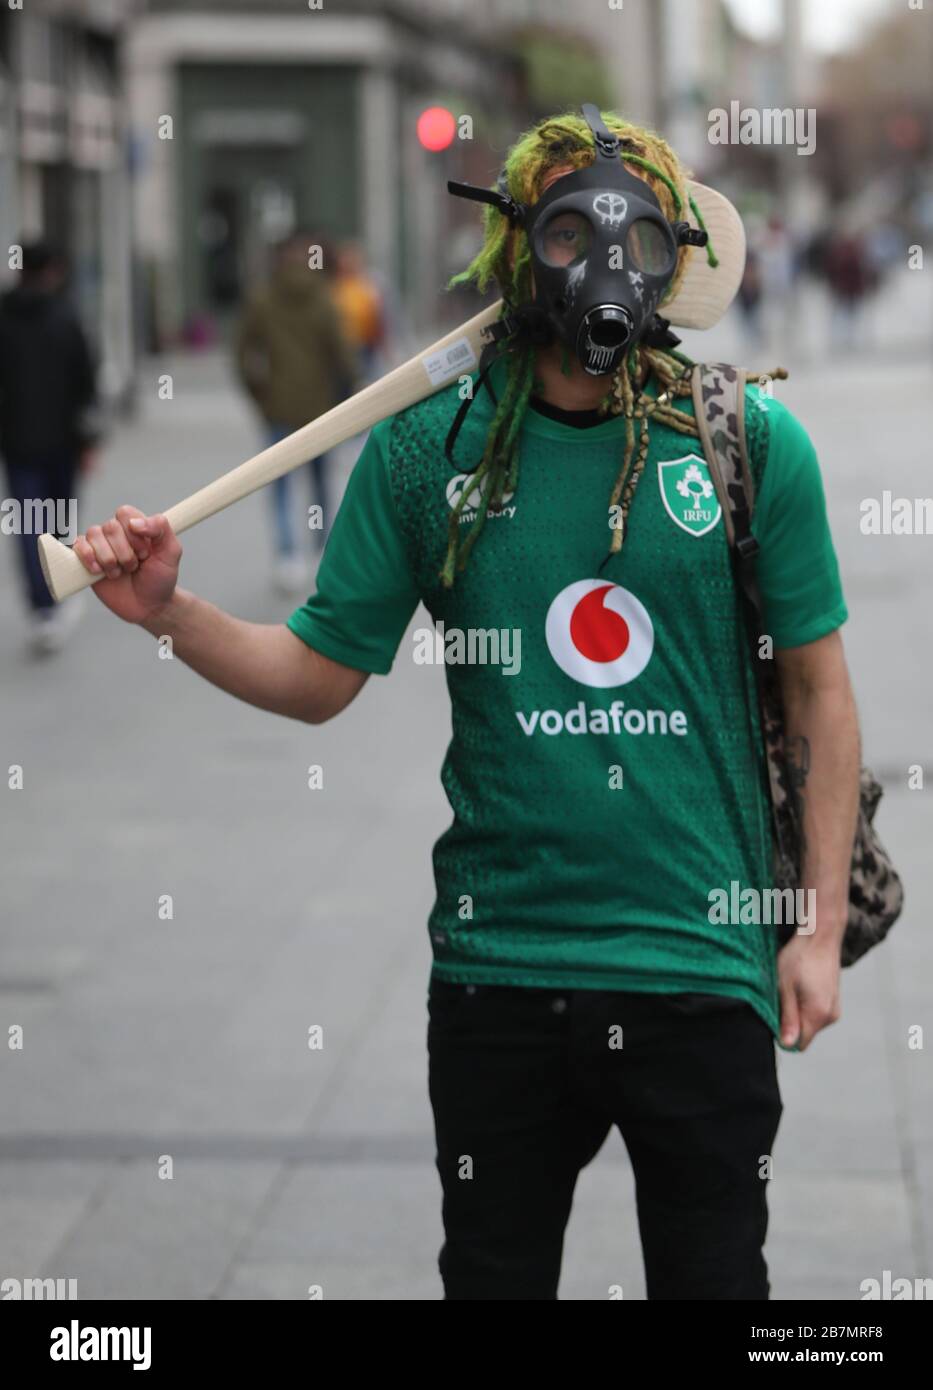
[599, 633]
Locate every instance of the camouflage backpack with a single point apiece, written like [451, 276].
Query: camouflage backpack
[876, 895]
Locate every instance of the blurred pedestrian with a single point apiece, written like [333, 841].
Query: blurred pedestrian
[293, 359]
[48, 420]
[360, 304]
[777, 263]
[885, 247]
[849, 277]
[776, 257]
[749, 298]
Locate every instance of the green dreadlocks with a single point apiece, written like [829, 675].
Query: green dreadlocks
[564, 142]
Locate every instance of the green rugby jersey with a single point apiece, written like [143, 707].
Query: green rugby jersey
[607, 775]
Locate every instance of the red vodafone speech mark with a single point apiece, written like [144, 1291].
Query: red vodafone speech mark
[597, 632]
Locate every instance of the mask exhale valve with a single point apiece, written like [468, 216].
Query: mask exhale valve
[604, 333]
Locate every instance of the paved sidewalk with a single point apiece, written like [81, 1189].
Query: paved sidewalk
[187, 1037]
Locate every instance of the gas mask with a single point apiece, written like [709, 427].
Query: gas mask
[602, 252]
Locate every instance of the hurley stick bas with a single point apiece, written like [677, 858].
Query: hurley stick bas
[454, 355]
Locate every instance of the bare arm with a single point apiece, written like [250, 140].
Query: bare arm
[264, 664]
[821, 728]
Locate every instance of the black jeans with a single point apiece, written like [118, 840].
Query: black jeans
[525, 1085]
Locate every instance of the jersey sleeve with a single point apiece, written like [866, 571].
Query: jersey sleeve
[365, 593]
[798, 573]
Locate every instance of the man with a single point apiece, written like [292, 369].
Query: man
[48, 400]
[605, 784]
[293, 360]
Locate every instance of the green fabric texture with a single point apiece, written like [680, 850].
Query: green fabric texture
[602, 791]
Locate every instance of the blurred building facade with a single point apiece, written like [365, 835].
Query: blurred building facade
[877, 105]
[166, 143]
[63, 171]
[285, 117]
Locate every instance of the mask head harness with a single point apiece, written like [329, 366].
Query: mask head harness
[602, 253]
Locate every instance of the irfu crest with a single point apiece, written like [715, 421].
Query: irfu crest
[689, 495]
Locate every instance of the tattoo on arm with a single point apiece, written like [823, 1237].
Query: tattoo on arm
[797, 762]
[797, 749]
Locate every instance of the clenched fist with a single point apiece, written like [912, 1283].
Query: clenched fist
[139, 557]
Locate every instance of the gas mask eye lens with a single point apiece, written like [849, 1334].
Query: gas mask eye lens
[565, 239]
[647, 248]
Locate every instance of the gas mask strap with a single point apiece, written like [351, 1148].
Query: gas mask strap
[489, 356]
[607, 144]
[658, 334]
[522, 325]
[502, 201]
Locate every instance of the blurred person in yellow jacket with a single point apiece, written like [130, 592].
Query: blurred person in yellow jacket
[293, 358]
[360, 304]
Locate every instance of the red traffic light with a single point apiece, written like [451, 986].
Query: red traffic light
[436, 128]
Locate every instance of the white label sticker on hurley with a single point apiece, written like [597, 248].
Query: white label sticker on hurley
[451, 361]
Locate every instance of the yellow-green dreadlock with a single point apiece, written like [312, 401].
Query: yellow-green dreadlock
[565, 142]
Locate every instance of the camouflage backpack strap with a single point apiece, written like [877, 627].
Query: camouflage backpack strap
[719, 409]
[876, 894]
